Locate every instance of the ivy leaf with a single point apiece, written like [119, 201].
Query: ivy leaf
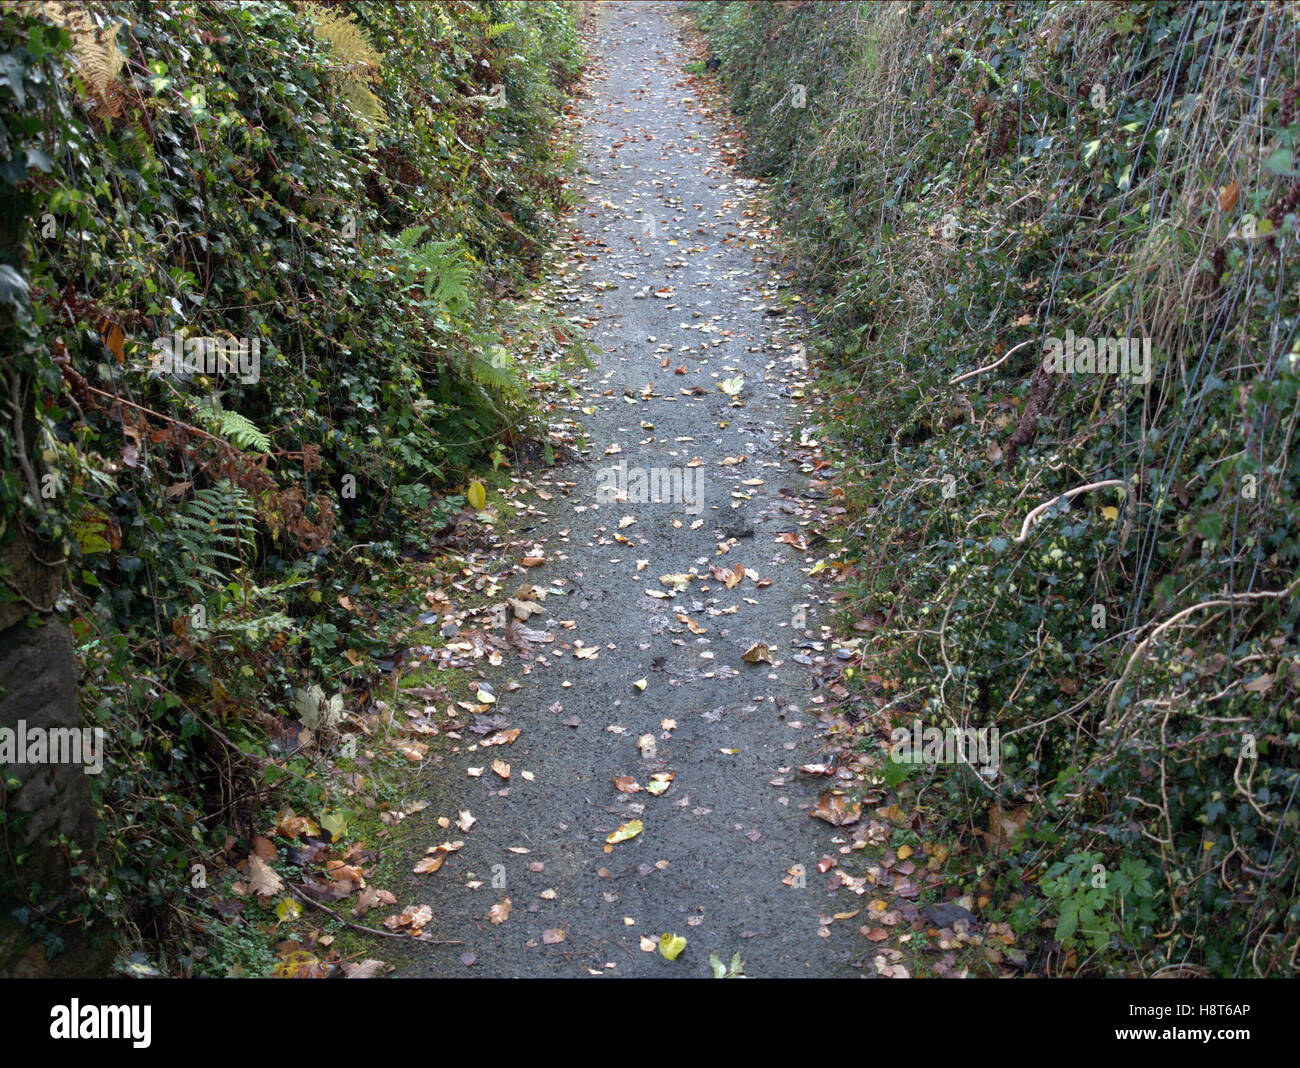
[13, 287]
[1282, 163]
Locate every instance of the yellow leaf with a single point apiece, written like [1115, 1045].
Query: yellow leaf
[335, 822]
[300, 965]
[629, 830]
[288, 910]
[476, 495]
[1110, 512]
[671, 946]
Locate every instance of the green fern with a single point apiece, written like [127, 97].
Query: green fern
[254, 630]
[442, 267]
[212, 535]
[498, 370]
[237, 429]
[496, 29]
[360, 64]
[410, 237]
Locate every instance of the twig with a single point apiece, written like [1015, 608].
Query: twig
[980, 370]
[20, 443]
[362, 927]
[1141, 649]
[1029, 519]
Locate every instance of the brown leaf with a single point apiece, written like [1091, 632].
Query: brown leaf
[372, 898]
[835, 810]
[263, 848]
[1005, 826]
[437, 854]
[262, 878]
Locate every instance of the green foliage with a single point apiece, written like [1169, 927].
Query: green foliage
[321, 179]
[236, 429]
[734, 970]
[965, 182]
[212, 530]
[1095, 906]
[440, 268]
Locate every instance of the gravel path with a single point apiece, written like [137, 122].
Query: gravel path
[666, 262]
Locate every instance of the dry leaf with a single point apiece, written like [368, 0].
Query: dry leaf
[835, 810]
[262, 878]
[628, 830]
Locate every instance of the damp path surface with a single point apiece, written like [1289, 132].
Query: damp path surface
[713, 861]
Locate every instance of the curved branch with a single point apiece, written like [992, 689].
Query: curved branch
[1024, 527]
[1143, 645]
[999, 363]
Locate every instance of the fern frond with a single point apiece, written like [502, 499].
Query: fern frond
[442, 268]
[360, 62]
[346, 38]
[98, 58]
[367, 108]
[237, 429]
[410, 237]
[498, 371]
[212, 534]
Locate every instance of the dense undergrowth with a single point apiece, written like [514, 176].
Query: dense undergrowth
[343, 199]
[963, 183]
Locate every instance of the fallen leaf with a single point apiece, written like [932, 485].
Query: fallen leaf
[671, 946]
[628, 830]
[835, 810]
[262, 878]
